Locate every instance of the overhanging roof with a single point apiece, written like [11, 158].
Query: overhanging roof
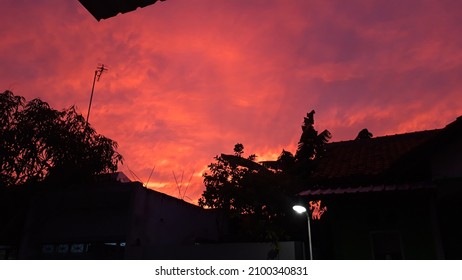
[103, 9]
[365, 189]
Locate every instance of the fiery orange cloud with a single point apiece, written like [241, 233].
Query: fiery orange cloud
[189, 79]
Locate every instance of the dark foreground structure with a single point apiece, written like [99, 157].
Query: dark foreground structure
[114, 218]
[391, 197]
[105, 219]
[104, 9]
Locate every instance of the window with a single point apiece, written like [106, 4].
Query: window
[90, 250]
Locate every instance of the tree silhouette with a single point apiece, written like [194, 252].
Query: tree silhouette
[364, 134]
[39, 143]
[286, 161]
[228, 182]
[247, 191]
[238, 149]
[311, 144]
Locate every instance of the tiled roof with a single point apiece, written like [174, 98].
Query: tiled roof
[367, 159]
[396, 162]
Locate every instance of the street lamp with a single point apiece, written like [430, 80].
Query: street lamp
[300, 210]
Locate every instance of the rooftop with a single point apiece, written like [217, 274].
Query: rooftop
[367, 158]
[394, 162]
[103, 9]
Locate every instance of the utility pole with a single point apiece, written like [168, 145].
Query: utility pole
[99, 70]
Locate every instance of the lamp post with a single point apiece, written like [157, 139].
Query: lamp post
[300, 210]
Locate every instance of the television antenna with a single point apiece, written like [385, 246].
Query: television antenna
[182, 195]
[136, 178]
[98, 72]
[147, 182]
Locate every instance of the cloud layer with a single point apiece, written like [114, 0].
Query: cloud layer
[189, 79]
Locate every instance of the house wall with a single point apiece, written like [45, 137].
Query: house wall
[447, 160]
[161, 222]
[85, 218]
[229, 251]
[113, 220]
[447, 174]
[449, 209]
[355, 220]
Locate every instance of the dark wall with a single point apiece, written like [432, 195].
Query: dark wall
[450, 218]
[377, 226]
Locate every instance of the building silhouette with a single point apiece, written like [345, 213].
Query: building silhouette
[390, 197]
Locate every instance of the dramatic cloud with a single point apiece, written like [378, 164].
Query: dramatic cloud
[189, 79]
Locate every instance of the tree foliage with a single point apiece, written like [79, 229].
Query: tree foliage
[286, 161]
[311, 144]
[245, 188]
[247, 191]
[364, 134]
[234, 183]
[38, 143]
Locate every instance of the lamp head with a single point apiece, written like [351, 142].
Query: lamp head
[299, 209]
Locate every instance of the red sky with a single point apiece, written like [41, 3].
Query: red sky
[190, 78]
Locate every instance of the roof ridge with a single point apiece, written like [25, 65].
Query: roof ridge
[391, 135]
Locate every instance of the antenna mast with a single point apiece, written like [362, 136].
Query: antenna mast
[98, 72]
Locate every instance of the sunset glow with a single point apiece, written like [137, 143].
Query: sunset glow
[189, 79]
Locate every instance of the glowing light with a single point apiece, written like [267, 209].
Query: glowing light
[316, 209]
[299, 209]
